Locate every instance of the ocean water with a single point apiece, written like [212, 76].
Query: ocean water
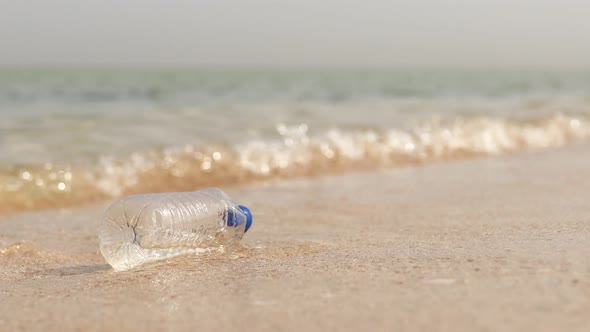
[73, 135]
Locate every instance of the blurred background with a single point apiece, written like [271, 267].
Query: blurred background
[102, 98]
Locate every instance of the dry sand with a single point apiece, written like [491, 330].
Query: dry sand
[498, 244]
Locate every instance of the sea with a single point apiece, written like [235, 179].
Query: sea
[75, 135]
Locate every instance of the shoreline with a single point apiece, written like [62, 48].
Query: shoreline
[480, 244]
[297, 154]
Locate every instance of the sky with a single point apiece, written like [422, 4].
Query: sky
[535, 33]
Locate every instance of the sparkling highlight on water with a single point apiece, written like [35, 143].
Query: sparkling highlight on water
[294, 153]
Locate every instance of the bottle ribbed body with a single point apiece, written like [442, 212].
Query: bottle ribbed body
[144, 228]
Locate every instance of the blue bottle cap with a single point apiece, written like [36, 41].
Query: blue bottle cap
[248, 216]
[236, 219]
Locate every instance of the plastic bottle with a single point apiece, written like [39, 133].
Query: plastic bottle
[144, 228]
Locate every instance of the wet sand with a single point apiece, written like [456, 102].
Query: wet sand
[496, 244]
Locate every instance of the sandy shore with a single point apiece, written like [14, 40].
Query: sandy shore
[498, 244]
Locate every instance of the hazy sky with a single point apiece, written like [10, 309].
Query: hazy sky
[297, 32]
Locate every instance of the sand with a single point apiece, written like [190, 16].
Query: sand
[495, 244]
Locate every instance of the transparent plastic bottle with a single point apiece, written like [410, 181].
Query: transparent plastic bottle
[145, 228]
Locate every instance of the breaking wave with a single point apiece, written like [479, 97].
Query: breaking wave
[294, 154]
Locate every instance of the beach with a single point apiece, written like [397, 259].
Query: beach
[484, 244]
[389, 166]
